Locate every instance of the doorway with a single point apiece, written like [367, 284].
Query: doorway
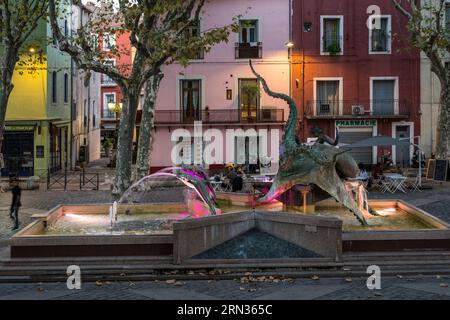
[191, 100]
[248, 99]
[403, 152]
[18, 152]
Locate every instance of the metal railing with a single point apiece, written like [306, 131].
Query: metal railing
[248, 50]
[379, 41]
[376, 107]
[332, 44]
[263, 115]
[83, 180]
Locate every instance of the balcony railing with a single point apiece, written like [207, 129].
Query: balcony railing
[332, 44]
[107, 81]
[248, 50]
[380, 42]
[217, 116]
[355, 108]
[108, 115]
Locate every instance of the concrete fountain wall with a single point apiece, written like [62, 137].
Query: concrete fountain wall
[318, 234]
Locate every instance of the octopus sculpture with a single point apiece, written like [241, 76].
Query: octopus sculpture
[320, 164]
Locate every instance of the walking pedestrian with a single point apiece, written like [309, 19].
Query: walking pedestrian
[15, 204]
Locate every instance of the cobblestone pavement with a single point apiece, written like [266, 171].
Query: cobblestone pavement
[424, 288]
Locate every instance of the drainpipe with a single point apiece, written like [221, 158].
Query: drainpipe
[72, 135]
[290, 49]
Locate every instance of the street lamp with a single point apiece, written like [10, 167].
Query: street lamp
[289, 46]
[117, 109]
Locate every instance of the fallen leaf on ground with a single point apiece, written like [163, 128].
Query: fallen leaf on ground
[40, 289]
[242, 288]
[171, 281]
[98, 283]
[315, 278]
[444, 285]
[348, 280]
[179, 284]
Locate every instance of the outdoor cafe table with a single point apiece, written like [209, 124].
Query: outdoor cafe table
[395, 182]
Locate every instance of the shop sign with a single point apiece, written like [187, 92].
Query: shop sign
[19, 128]
[356, 123]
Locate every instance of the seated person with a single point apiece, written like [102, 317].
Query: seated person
[363, 175]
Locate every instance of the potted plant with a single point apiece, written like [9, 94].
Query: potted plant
[107, 145]
[334, 48]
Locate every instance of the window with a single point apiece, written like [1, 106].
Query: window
[193, 31]
[141, 102]
[447, 19]
[249, 45]
[191, 100]
[94, 115]
[1, 20]
[327, 97]
[105, 79]
[380, 35]
[94, 42]
[54, 87]
[109, 41]
[248, 99]
[66, 88]
[384, 97]
[332, 29]
[66, 28]
[108, 98]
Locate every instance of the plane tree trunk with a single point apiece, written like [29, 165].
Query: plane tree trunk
[146, 133]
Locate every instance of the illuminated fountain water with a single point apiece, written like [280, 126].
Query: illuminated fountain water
[192, 177]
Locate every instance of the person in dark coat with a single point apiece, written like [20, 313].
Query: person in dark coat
[15, 204]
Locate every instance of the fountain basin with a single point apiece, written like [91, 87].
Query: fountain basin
[148, 230]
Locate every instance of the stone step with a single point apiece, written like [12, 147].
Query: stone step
[404, 255]
[92, 277]
[107, 268]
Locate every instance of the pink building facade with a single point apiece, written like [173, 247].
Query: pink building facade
[218, 87]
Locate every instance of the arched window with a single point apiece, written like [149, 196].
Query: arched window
[54, 87]
[66, 88]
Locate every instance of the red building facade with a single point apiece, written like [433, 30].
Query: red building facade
[117, 49]
[355, 72]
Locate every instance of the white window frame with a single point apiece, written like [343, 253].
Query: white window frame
[105, 103]
[411, 139]
[396, 92]
[109, 36]
[341, 27]
[112, 84]
[341, 92]
[389, 32]
[202, 88]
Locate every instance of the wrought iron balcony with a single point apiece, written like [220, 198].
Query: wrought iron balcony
[332, 44]
[377, 108]
[380, 42]
[220, 116]
[248, 50]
